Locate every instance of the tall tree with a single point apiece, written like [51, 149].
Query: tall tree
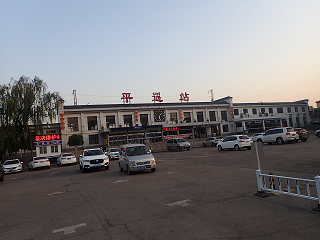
[24, 102]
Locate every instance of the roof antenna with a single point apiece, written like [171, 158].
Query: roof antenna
[74, 97]
[211, 93]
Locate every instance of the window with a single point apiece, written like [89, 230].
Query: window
[43, 150]
[187, 117]
[92, 123]
[289, 109]
[225, 128]
[298, 121]
[212, 115]
[290, 122]
[73, 124]
[303, 109]
[245, 110]
[254, 111]
[144, 119]
[173, 117]
[270, 110]
[111, 121]
[263, 110]
[127, 119]
[236, 111]
[200, 116]
[296, 109]
[94, 139]
[54, 149]
[224, 116]
[279, 110]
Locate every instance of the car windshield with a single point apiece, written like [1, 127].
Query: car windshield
[93, 152]
[181, 140]
[11, 162]
[114, 150]
[67, 155]
[244, 137]
[137, 150]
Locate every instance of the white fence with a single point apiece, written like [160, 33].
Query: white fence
[281, 184]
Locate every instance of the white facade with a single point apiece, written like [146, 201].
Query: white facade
[116, 124]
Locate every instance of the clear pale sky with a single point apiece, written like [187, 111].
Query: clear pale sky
[254, 51]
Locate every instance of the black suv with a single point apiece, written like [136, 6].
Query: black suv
[303, 134]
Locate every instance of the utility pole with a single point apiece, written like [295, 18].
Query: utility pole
[75, 97]
[211, 93]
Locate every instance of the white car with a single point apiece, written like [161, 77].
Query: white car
[212, 141]
[317, 133]
[136, 157]
[39, 162]
[66, 158]
[113, 153]
[92, 159]
[256, 137]
[280, 135]
[12, 166]
[235, 142]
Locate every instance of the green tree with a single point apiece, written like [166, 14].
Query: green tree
[75, 140]
[24, 103]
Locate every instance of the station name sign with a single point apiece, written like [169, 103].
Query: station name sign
[170, 128]
[47, 137]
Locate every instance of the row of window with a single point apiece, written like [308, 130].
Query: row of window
[270, 110]
[54, 149]
[159, 116]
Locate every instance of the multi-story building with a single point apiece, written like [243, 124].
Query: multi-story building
[116, 124]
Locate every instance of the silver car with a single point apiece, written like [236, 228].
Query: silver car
[12, 166]
[136, 157]
[212, 141]
[177, 144]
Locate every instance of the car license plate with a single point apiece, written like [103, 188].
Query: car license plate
[142, 167]
[41, 161]
[10, 170]
[247, 141]
[97, 165]
[68, 158]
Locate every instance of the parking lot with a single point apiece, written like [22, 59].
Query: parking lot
[196, 194]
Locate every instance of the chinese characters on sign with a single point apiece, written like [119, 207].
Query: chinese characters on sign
[126, 97]
[156, 97]
[170, 128]
[50, 137]
[184, 97]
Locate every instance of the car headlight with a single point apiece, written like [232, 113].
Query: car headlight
[105, 158]
[153, 161]
[132, 163]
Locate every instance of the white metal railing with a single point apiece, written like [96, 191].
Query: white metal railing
[282, 180]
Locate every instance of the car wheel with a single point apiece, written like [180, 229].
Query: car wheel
[204, 145]
[1, 179]
[120, 168]
[169, 149]
[153, 170]
[83, 170]
[48, 167]
[303, 140]
[279, 141]
[188, 149]
[220, 148]
[106, 167]
[128, 170]
[236, 147]
[318, 135]
[259, 140]
[214, 145]
[248, 148]
[80, 167]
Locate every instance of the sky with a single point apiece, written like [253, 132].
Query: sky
[253, 51]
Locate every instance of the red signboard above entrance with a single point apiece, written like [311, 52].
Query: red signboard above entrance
[48, 137]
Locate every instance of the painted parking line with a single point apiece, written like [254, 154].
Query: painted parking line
[119, 181]
[172, 172]
[68, 230]
[55, 193]
[206, 154]
[181, 203]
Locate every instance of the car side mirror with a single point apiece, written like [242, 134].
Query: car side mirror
[21, 162]
[80, 155]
